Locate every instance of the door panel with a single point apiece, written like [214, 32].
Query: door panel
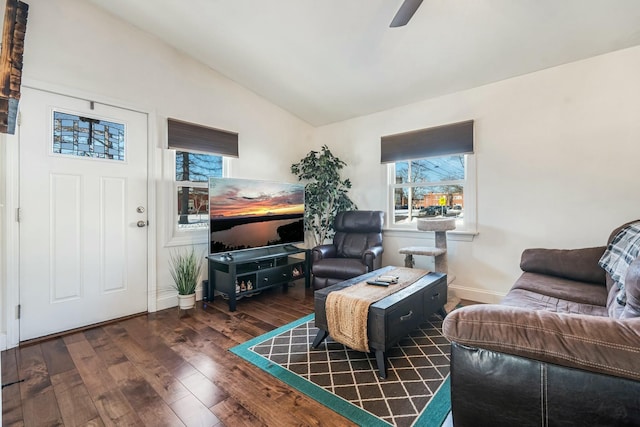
[65, 279]
[113, 234]
[83, 173]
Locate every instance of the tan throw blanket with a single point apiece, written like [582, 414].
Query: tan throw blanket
[348, 309]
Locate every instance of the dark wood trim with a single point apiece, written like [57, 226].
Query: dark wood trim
[13, 35]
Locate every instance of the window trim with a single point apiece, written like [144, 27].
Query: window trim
[453, 235]
[470, 199]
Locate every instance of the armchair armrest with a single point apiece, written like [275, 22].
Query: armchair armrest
[574, 264]
[372, 257]
[323, 251]
[597, 344]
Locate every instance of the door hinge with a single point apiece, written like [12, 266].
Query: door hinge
[18, 212]
[18, 311]
[19, 118]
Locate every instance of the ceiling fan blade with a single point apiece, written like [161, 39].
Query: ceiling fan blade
[405, 13]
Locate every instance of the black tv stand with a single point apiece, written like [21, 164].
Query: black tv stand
[255, 270]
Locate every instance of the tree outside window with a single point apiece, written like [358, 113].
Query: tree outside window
[192, 175]
[429, 187]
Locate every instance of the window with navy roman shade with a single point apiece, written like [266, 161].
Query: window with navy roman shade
[455, 138]
[184, 136]
[431, 175]
[199, 153]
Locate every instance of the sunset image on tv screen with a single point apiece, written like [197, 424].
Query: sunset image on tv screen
[248, 213]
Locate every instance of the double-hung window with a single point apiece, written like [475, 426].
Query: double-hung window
[431, 175]
[199, 154]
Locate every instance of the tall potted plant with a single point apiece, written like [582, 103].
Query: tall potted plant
[325, 192]
[185, 270]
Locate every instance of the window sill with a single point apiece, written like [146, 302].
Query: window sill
[453, 235]
[186, 238]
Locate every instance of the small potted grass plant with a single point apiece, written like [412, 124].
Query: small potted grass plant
[185, 269]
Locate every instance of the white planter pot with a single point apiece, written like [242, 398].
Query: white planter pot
[185, 302]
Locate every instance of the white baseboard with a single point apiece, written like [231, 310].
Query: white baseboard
[3, 342]
[474, 294]
[170, 299]
[166, 301]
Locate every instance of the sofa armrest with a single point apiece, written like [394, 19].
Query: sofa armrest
[597, 344]
[372, 257]
[323, 251]
[575, 264]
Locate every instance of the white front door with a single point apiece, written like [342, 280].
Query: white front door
[83, 213]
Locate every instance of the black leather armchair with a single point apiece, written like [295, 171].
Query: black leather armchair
[356, 248]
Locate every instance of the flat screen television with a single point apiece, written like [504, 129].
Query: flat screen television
[247, 213]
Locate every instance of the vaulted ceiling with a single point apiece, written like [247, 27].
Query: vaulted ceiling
[330, 60]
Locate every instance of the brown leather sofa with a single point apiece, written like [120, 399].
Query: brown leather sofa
[556, 351]
[356, 248]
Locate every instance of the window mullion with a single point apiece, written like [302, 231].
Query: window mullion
[194, 184]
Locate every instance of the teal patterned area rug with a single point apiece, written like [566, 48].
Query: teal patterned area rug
[415, 393]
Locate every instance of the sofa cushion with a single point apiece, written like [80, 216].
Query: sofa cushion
[621, 252]
[575, 264]
[339, 268]
[562, 289]
[593, 343]
[356, 231]
[353, 245]
[535, 301]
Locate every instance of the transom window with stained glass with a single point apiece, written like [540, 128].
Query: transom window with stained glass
[88, 137]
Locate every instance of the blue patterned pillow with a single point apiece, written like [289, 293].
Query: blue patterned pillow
[622, 251]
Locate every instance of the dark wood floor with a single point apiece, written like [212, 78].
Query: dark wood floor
[161, 369]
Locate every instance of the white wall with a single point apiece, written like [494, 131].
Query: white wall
[77, 49]
[71, 43]
[556, 152]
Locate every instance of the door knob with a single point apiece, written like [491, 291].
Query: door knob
[141, 223]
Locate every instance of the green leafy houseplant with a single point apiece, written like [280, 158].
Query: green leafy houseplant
[325, 193]
[185, 269]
